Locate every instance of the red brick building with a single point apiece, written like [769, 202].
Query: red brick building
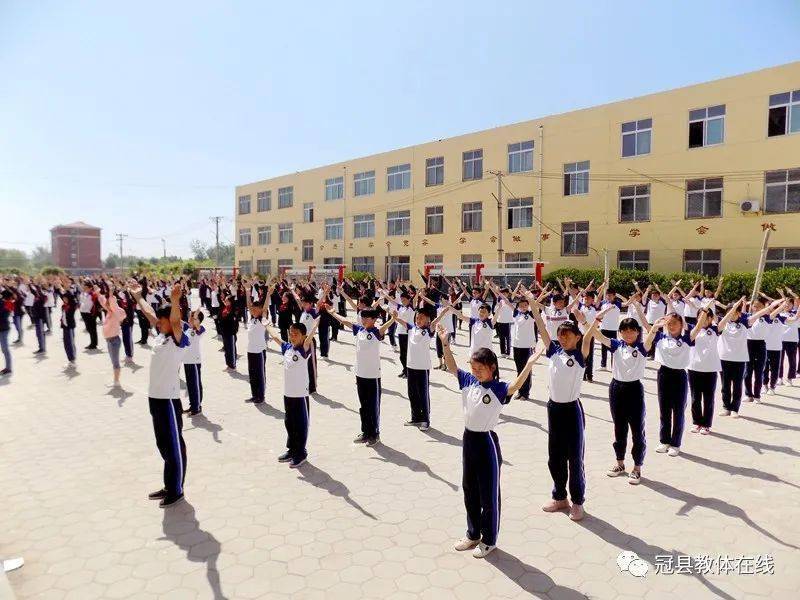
[76, 247]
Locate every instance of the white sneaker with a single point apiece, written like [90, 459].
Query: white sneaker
[724, 412]
[481, 550]
[465, 544]
[635, 477]
[734, 414]
[770, 392]
[790, 382]
[696, 429]
[674, 451]
[756, 400]
[662, 448]
[616, 470]
[749, 398]
[780, 381]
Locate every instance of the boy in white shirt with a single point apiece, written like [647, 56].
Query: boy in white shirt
[192, 362]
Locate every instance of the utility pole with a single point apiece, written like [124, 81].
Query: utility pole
[164, 246]
[499, 199]
[120, 238]
[216, 221]
[541, 171]
[762, 260]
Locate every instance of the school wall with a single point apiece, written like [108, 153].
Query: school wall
[83, 243]
[592, 134]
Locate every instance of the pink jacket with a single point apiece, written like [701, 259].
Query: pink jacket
[112, 325]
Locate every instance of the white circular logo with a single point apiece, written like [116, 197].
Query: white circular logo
[738, 325]
[570, 362]
[680, 343]
[294, 357]
[484, 324]
[486, 399]
[708, 332]
[635, 354]
[526, 316]
[369, 336]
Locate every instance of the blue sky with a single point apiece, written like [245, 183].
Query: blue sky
[141, 117]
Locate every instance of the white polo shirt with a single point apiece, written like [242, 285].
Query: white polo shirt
[565, 373]
[629, 361]
[368, 352]
[256, 338]
[673, 352]
[481, 402]
[522, 331]
[191, 355]
[482, 335]
[164, 364]
[407, 314]
[732, 343]
[295, 371]
[419, 348]
[704, 357]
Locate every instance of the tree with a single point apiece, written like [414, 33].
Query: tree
[111, 261]
[199, 250]
[13, 259]
[204, 251]
[41, 256]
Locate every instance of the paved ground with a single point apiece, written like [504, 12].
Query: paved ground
[76, 463]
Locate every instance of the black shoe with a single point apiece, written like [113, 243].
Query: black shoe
[412, 423]
[194, 413]
[39, 351]
[162, 493]
[186, 411]
[374, 440]
[285, 457]
[170, 500]
[361, 439]
[5, 372]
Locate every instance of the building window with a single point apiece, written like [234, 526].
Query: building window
[520, 213]
[264, 201]
[634, 203]
[246, 267]
[332, 262]
[364, 264]
[244, 237]
[398, 222]
[782, 191]
[334, 188]
[434, 171]
[784, 113]
[308, 250]
[364, 226]
[244, 204]
[704, 198]
[706, 262]
[633, 260]
[399, 268]
[576, 178]
[265, 235]
[470, 261]
[575, 238]
[308, 212]
[473, 165]
[636, 137]
[520, 157]
[285, 263]
[364, 183]
[285, 233]
[435, 260]
[777, 258]
[471, 216]
[398, 177]
[519, 260]
[707, 126]
[264, 267]
[334, 228]
[434, 220]
[285, 197]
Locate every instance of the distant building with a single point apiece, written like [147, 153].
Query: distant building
[76, 247]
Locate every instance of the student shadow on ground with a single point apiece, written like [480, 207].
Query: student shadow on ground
[269, 410]
[179, 521]
[773, 425]
[716, 504]
[70, 372]
[506, 418]
[388, 454]
[759, 447]
[200, 421]
[237, 375]
[529, 578]
[330, 361]
[736, 470]
[325, 401]
[779, 406]
[133, 366]
[320, 479]
[627, 542]
[442, 437]
[121, 394]
[544, 404]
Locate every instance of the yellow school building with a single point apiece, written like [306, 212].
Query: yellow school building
[679, 180]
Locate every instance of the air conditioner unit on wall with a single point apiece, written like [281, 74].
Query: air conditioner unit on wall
[750, 206]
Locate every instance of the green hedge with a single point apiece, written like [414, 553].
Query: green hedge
[734, 285]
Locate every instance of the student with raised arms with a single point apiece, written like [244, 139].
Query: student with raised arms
[483, 396]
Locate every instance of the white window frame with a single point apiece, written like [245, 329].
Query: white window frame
[264, 235]
[264, 199]
[703, 260]
[571, 229]
[637, 129]
[472, 160]
[245, 238]
[520, 213]
[575, 173]
[334, 228]
[364, 264]
[637, 194]
[705, 191]
[268, 266]
[244, 202]
[790, 177]
[286, 196]
[518, 260]
[398, 177]
[332, 262]
[307, 250]
[520, 157]
[434, 171]
[334, 188]
[364, 226]
[791, 104]
[780, 263]
[471, 261]
[632, 261]
[472, 212]
[285, 233]
[364, 183]
[432, 218]
[705, 120]
[398, 222]
[436, 260]
[287, 263]
[308, 212]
